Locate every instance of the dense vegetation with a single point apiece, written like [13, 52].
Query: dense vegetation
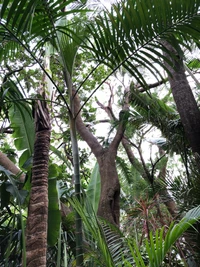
[100, 126]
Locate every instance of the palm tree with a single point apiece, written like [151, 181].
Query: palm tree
[36, 232]
[37, 222]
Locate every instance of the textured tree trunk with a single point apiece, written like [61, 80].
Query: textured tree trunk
[110, 188]
[36, 230]
[109, 207]
[184, 98]
[190, 117]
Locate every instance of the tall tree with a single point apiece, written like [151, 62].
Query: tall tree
[37, 222]
[110, 187]
[186, 104]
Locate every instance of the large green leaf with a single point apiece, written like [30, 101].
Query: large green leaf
[94, 187]
[54, 216]
[24, 132]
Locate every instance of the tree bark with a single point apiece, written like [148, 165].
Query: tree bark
[184, 98]
[9, 165]
[189, 114]
[109, 207]
[167, 199]
[36, 230]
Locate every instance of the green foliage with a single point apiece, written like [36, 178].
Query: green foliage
[94, 187]
[129, 34]
[54, 217]
[12, 225]
[124, 168]
[109, 241]
[7, 149]
[60, 156]
[194, 64]
[155, 111]
[70, 37]
[20, 116]
[10, 186]
[98, 250]
[23, 126]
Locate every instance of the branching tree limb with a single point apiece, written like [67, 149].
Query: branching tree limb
[110, 187]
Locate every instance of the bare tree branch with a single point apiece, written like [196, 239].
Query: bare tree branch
[150, 86]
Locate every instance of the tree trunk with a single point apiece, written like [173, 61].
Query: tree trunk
[36, 230]
[184, 98]
[110, 187]
[109, 207]
[189, 114]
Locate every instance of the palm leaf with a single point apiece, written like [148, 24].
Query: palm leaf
[159, 114]
[130, 33]
[20, 115]
[97, 239]
[158, 249]
[70, 36]
[22, 22]
[124, 168]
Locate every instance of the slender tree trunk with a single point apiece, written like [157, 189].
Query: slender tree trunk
[184, 98]
[76, 165]
[36, 230]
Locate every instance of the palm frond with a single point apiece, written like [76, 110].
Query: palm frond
[23, 22]
[156, 112]
[94, 231]
[130, 34]
[124, 168]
